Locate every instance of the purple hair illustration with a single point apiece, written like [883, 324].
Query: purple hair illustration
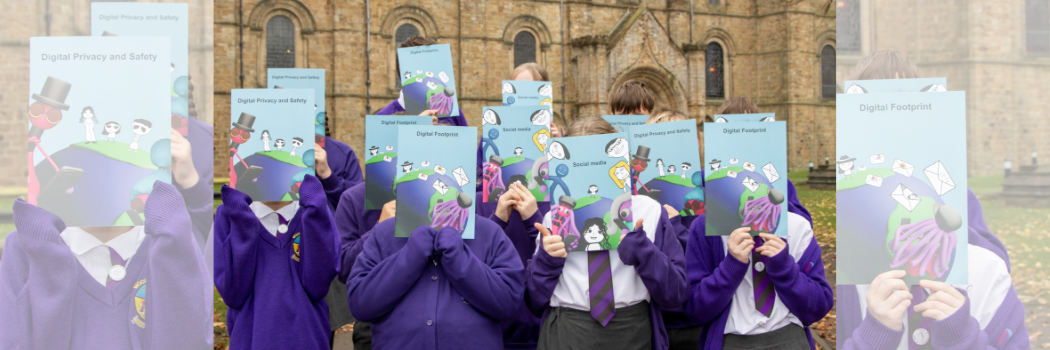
[563, 222]
[442, 101]
[452, 214]
[763, 214]
[928, 245]
[492, 179]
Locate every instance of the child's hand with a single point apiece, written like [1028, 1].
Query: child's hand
[526, 204]
[944, 301]
[446, 239]
[772, 245]
[740, 244]
[388, 211]
[555, 132]
[888, 298]
[552, 244]
[671, 213]
[321, 163]
[423, 238]
[433, 114]
[182, 168]
[506, 201]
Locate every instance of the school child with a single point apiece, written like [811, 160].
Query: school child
[398, 104]
[434, 289]
[337, 167]
[633, 97]
[274, 263]
[646, 274]
[889, 314]
[193, 168]
[71, 287]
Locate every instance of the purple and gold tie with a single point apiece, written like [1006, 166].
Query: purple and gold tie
[918, 325]
[603, 306]
[114, 259]
[281, 221]
[765, 294]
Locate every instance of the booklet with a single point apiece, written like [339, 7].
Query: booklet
[381, 157]
[436, 177]
[99, 126]
[896, 85]
[665, 170]
[746, 178]
[301, 78]
[901, 186]
[428, 80]
[271, 148]
[513, 143]
[745, 118]
[624, 121]
[528, 93]
[153, 20]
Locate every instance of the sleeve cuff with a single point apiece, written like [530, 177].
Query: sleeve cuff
[331, 182]
[548, 262]
[201, 192]
[956, 328]
[734, 267]
[780, 264]
[876, 335]
[502, 224]
[532, 220]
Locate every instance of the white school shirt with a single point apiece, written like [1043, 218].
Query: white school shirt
[268, 217]
[992, 284]
[744, 319]
[573, 289]
[93, 255]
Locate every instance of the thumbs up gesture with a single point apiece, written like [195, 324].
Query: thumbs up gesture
[552, 244]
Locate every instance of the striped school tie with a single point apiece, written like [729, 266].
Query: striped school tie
[765, 294]
[114, 259]
[603, 307]
[918, 325]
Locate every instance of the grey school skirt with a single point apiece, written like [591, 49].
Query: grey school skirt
[789, 337]
[566, 328]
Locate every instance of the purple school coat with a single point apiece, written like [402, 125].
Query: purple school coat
[275, 287]
[200, 198]
[354, 224]
[395, 107]
[346, 171]
[435, 290]
[48, 301]
[960, 330]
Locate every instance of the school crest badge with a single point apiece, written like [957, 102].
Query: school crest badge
[140, 304]
[295, 246]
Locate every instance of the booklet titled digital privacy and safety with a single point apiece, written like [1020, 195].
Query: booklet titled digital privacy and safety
[271, 142]
[435, 183]
[528, 93]
[381, 158]
[303, 78]
[901, 186]
[746, 178]
[99, 126]
[514, 142]
[666, 171]
[624, 121]
[427, 80]
[896, 85]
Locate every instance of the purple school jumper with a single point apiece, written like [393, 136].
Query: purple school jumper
[275, 287]
[395, 107]
[346, 172]
[200, 198]
[960, 330]
[435, 290]
[354, 224]
[48, 300]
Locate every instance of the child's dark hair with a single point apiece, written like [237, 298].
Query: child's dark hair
[884, 64]
[601, 228]
[592, 125]
[264, 132]
[413, 41]
[738, 105]
[633, 97]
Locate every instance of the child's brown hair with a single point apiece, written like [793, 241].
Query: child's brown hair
[590, 125]
[738, 105]
[633, 97]
[664, 114]
[884, 64]
[413, 41]
[537, 71]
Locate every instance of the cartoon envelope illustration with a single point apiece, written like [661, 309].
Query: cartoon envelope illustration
[749, 166]
[734, 161]
[426, 164]
[940, 179]
[750, 183]
[439, 169]
[440, 187]
[419, 80]
[725, 166]
[443, 76]
[387, 159]
[878, 158]
[902, 167]
[430, 74]
[771, 172]
[389, 148]
[731, 174]
[905, 197]
[422, 176]
[873, 180]
[461, 176]
[862, 168]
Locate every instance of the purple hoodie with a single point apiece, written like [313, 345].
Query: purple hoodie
[48, 301]
[394, 107]
[275, 287]
[346, 172]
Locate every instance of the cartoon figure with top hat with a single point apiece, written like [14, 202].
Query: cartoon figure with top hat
[239, 134]
[640, 162]
[44, 114]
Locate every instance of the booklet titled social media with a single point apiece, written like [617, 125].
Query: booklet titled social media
[427, 80]
[624, 121]
[513, 142]
[271, 142]
[745, 118]
[527, 93]
[901, 186]
[746, 178]
[896, 85]
[302, 78]
[435, 178]
[663, 169]
[381, 158]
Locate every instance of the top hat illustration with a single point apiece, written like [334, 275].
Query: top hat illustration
[374, 148]
[245, 122]
[642, 153]
[567, 201]
[406, 163]
[54, 93]
[496, 159]
[845, 159]
[715, 161]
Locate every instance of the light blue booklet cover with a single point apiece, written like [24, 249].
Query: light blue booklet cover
[271, 142]
[528, 93]
[624, 121]
[153, 20]
[665, 170]
[99, 126]
[381, 155]
[428, 80]
[746, 182]
[901, 186]
[513, 142]
[590, 190]
[896, 85]
[436, 177]
[302, 78]
[745, 118]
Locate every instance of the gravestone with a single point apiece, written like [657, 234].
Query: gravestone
[1029, 187]
[822, 178]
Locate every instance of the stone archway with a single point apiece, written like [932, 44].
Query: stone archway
[660, 81]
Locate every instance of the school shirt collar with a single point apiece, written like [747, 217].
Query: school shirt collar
[270, 221]
[80, 242]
